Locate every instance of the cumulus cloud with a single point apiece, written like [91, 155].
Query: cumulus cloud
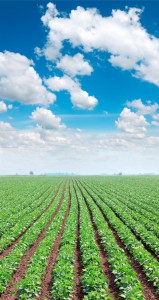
[155, 123]
[40, 139]
[46, 119]
[132, 123]
[50, 13]
[11, 138]
[124, 37]
[143, 109]
[152, 141]
[156, 117]
[20, 82]
[74, 65]
[70, 140]
[4, 107]
[79, 98]
[5, 126]
[148, 109]
[70, 150]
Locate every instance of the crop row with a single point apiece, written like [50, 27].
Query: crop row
[148, 237]
[64, 273]
[84, 234]
[134, 198]
[29, 287]
[17, 194]
[137, 213]
[14, 218]
[141, 255]
[94, 283]
[133, 192]
[125, 277]
[12, 260]
[135, 205]
[11, 235]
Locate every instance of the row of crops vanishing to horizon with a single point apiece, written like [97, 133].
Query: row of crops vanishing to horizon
[79, 237]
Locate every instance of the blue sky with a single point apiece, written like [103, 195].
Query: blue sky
[79, 87]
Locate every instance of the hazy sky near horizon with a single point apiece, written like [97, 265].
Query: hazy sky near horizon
[79, 87]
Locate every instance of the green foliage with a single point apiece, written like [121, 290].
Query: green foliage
[10, 262]
[36, 267]
[93, 280]
[128, 206]
[63, 272]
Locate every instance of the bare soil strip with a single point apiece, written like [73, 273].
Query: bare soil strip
[138, 237]
[20, 272]
[134, 233]
[113, 289]
[142, 214]
[148, 289]
[36, 200]
[78, 290]
[9, 248]
[47, 278]
[137, 204]
[44, 198]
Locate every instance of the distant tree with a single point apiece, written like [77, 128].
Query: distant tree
[120, 174]
[31, 173]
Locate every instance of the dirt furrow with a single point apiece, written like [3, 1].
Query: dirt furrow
[78, 291]
[47, 278]
[134, 233]
[138, 237]
[113, 289]
[20, 271]
[148, 289]
[35, 200]
[10, 248]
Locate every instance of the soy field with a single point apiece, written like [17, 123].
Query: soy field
[79, 237]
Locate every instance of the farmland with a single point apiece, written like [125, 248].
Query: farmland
[79, 237]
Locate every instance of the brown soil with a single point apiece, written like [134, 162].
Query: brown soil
[134, 233]
[136, 218]
[44, 198]
[47, 278]
[9, 248]
[144, 208]
[112, 288]
[78, 291]
[148, 289]
[20, 271]
[139, 238]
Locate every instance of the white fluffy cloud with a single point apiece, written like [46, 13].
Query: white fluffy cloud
[69, 150]
[11, 138]
[74, 65]
[4, 126]
[50, 13]
[77, 142]
[4, 107]
[124, 37]
[143, 109]
[132, 123]
[20, 82]
[155, 123]
[156, 117]
[79, 98]
[46, 119]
